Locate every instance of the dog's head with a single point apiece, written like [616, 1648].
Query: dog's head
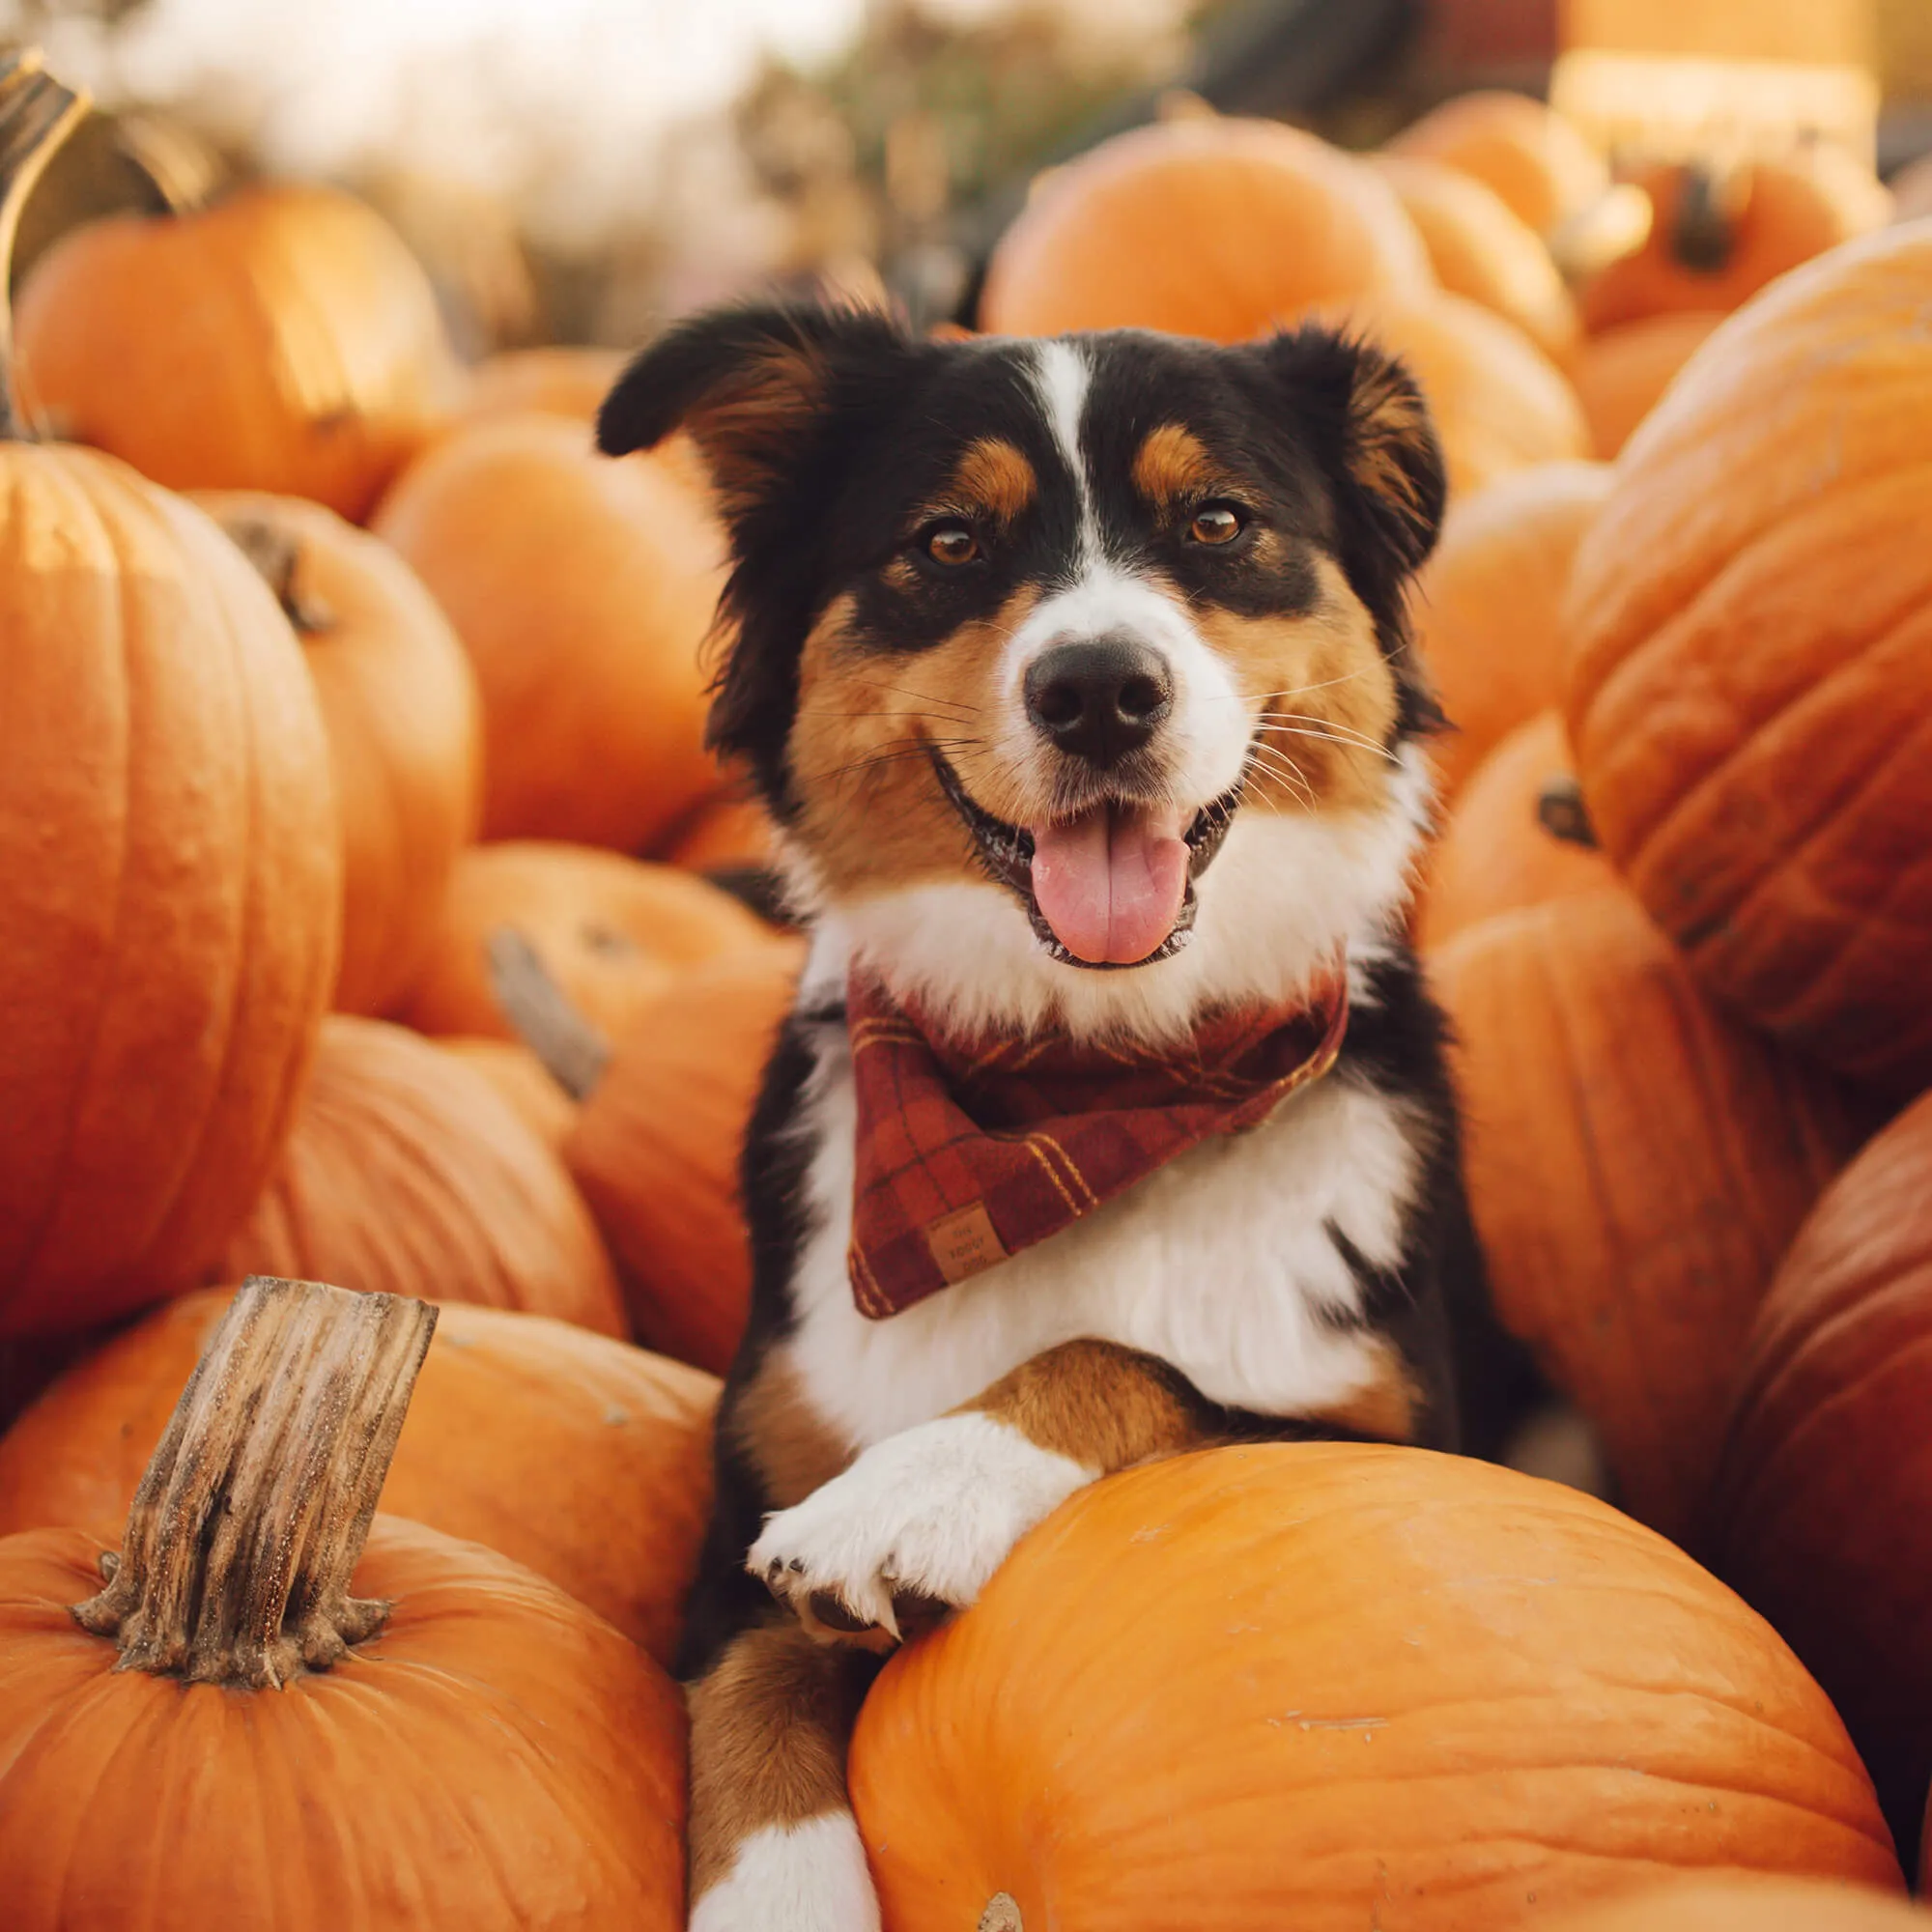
[1057, 656]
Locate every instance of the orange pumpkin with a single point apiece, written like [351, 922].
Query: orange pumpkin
[1620, 374]
[261, 1722]
[724, 835]
[558, 379]
[1480, 248]
[1717, 238]
[1636, 1164]
[1383, 1687]
[1488, 608]
[170, 878]
[613, 933]
[406, 1170]
[655, 1151]
[1499, 405]
[1497, 853]
[1751, 681]
[522, 1079]
[584, 1458]
[1750, 1905]
[1530, 154]
[583, 590]
[404, 727]
[1222, 228]
[1826, 1480]
[283, 340]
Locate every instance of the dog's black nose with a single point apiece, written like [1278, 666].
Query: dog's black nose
[1099, 699]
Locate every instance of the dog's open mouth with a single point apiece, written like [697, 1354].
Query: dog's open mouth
[1113, 887]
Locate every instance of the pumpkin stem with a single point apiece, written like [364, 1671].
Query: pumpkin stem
[252, 1512]
[574, 1052]
[37, 114]
[1703, 231]
[276, 553]
[1562, 813]
[1002, 1915]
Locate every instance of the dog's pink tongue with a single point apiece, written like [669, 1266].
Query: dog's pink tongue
[1111, 882]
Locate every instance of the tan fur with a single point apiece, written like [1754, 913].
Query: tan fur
[1328, 695]
[1173, 467]
[768, 1733]
[787, 1442]
[1387, 1406]
[1385, 418]
[746, 425]
[1098, 1404]
[992, 481]
[872, 814]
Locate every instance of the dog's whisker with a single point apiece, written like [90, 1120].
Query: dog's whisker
[1349, 742]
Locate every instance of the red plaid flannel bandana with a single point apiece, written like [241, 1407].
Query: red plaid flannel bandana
[970, 1150]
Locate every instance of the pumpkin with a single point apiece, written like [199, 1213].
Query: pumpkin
[284, 339]
[1221, 228]
[261, 1719]
[1489, 605]
[1718, 237]
[582, 589]
[1620, 373]
[1480, 248]
[404, 727]
[1749, 686]
[1827, 1476]
[522, 1079]
[1748, 1905]
[584, 1458]
[1498, 404]
[559, 380]
[1530, 156]
[405, 1169]
[613, 932]
[1382, 1688]
[727, 835]
[1637, 1164]
[656, 1145]
[170, 873]
[1499, 850]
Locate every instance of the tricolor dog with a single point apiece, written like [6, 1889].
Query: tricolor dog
[1112, 1118]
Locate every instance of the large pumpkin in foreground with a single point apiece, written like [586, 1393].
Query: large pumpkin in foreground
[1821, 1513]
[1750, 686]
[250, 1727]
[1638, 1163]
[1329, 1687]
[584, 1459]
[1748, 1905]
[1220, 228]
[407, 1171]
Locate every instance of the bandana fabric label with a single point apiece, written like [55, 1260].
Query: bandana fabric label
[969, 1150]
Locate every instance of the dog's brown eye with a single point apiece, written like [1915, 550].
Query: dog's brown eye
[1217, 524]
[951, 542]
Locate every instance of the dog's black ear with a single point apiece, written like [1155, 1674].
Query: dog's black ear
[746, 385]
[1372, 433]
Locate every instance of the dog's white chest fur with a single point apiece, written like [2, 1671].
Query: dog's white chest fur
[1224, 1263]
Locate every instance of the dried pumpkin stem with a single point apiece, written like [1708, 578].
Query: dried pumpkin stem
[37, 114]
[1562, 813]
[573, 1050]
[276, 553]
[1704, 230]
[250, 1517]
[1002, 1915]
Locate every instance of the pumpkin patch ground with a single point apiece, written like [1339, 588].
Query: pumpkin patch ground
[397, 951]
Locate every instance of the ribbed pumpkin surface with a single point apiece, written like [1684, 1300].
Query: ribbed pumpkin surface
[169, 886]
[1750, 1905]
[1750, 693]
[1332, 1687]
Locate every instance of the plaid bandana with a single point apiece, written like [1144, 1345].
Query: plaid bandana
[970, 1150]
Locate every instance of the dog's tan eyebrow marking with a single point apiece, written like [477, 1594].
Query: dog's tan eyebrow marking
[1174, 467]
[994, 477]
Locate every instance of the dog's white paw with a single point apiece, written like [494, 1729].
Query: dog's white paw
[794, 1878]
[926, 1516]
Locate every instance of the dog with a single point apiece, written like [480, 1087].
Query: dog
[1112, 1119]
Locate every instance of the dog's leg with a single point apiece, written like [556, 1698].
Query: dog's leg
[773, 1845]
[924, 1517]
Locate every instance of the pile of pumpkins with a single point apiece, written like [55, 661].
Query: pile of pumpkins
[355, 821]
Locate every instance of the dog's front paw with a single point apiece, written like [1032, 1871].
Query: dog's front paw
[914, 1527]
[809, 1877]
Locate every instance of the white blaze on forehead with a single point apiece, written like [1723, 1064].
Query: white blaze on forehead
[1061, 375]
